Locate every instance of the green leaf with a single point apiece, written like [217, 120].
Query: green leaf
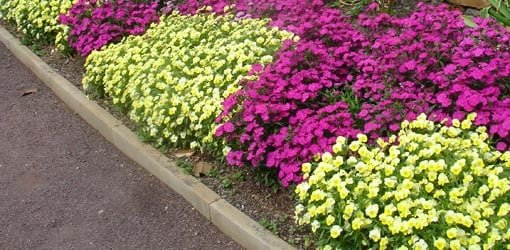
[469, 21]
[483, 13]
[501, 8]
[500, 17]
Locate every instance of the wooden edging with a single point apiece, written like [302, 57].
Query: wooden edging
[226, 217]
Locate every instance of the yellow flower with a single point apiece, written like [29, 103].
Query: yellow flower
[452, 233]
[474, 247]
[338, 161]
[461, 184]
[407, 172]
[390, 182]
[372, 210]
[449, 217]
[429, 187]
[362, 138]
[504, 209]
[466, 221]
[471, 116]
[388, 170]
[381, 143]
[375, 234]
[327, 157]
[440, 243]
[483, 190]
[354, 146]
[383, 243]
[455, 245]
[315, 225]
[502, 224]
[442, 179]
[341, 141]
[337, 148]
[357, 223]
[481, 227]
[317, 195]
[420, 245]
[457, 166]
[306, 167]
[473, 240]
[329, 220]
[335, 231]
[466, 124]
[453, 132]
[456, 123]
[302, 190]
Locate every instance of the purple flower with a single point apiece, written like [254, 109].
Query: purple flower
[367, 77]
[94, 24]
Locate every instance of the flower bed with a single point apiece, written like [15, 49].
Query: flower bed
[437, 186]
[94, 24]
[342, 79]
[37, 20]
[173, 79]
[277, 83]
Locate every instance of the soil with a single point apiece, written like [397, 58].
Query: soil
[65, 187]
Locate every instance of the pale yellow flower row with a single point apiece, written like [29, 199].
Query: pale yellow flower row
[173, 79]
[432, 186]
[37, 19]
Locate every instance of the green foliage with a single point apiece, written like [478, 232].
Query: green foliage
[267, 177]
[498, 9]
[174, 78]
[228, 181]
[185, 164]
[270, 225]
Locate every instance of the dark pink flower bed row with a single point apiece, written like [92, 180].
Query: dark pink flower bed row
[366, 76]
[94, 24]
[343, 76]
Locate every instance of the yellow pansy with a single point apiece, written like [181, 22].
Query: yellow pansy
[460, 182]
[335, 231]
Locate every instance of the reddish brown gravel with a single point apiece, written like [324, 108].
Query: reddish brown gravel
[63, 186]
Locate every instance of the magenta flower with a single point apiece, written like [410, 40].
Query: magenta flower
[343, 79]
[94, 24]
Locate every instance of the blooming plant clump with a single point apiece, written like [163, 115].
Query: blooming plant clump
[37, 20]
[94, 23]
[173, 79]
[434, 187]
[298, 105]
[341, 79]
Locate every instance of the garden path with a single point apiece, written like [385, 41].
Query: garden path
[63, 186]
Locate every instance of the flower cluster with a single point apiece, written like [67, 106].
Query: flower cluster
[370, 76]
[441, 67]
[94, 23]
[297, 107]
[37, 20]
[174, 78]
[435, 187]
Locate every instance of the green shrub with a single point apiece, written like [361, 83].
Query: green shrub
[173, 79]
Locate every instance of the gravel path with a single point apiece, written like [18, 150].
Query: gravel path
[63, 186]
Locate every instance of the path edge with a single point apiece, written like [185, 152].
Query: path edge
[230, 220]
